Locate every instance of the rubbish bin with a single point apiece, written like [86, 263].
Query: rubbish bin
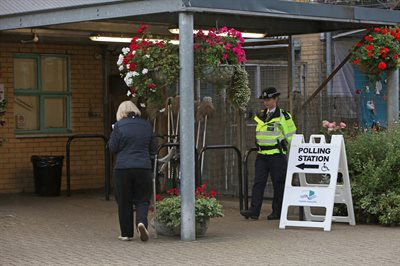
[47, 171]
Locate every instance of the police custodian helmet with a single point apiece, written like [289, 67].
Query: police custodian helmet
[270, 92]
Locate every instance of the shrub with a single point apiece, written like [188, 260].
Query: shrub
[374, 169]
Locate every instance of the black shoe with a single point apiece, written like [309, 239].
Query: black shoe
[249, 214]
[273, 216]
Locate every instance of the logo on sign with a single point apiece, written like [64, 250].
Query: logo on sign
[308, 194]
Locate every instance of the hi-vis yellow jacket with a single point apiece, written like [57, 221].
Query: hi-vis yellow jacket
[274, 136]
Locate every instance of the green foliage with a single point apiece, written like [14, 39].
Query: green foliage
[239, 93]
[374, 168]
[169, 209]
[389, 203]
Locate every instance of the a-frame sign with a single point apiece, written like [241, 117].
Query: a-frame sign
[322, 158]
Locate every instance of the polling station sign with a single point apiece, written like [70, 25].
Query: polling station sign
[313, 158]
[321, 158]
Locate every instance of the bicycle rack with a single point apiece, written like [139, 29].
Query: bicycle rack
[246, 182]
[246, 177]
[106, 161]
[239, 155]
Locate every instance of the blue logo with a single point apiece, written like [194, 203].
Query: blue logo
[309, 194]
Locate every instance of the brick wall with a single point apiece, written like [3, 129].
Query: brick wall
[87, 156]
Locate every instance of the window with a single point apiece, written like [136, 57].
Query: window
[42, 93]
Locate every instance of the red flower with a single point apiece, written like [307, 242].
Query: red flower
[369, 54]
[159, 197]
[368, 38]
[384, 31]
[359, 44]
[377, 29]
[384, 50]
[369, 47]
[142, 28]
[356, 61]
[358, 91]
[382, 65]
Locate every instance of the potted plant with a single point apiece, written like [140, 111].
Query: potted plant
[378, 51]
[148, 66]
[216, 48]
[168, 211]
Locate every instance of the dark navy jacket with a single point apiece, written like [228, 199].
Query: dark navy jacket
[132, 141]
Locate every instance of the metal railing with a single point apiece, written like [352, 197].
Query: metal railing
[106, 162]
[239, 155]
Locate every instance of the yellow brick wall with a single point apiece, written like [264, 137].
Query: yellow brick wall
[87, 156]
[313, 54]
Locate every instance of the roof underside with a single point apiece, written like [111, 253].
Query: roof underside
[116, 16]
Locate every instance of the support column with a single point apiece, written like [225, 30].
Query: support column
[186, 127]
[393, 98]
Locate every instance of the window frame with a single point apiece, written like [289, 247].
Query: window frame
[43, 94]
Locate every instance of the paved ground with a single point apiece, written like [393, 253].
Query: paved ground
[83, 230]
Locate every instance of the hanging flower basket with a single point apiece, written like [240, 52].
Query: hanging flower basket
[378, 51]
[218, 48]
[221, 74]
[149, 66]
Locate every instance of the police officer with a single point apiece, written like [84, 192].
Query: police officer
[274, 131]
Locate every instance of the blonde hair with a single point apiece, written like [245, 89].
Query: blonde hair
[125, 108]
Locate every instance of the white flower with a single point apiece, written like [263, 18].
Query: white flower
[143, 105]
[121, 67]
[147, 56]
[120, 59]
[133, 52]
[134, 74]
[125, 50]
[128, 93]
[145, 71]
[127, 66]
[128, 81]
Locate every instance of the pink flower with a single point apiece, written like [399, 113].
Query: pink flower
[342, 125]
[325, 124]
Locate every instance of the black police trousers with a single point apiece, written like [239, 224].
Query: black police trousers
[132, 187]
[265, 165]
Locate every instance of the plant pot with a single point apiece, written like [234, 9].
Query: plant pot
[158, 76]
[162, 229]
[366, 70]
[217, 75]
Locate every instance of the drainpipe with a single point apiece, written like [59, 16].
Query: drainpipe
[328, 53]
[393, 98]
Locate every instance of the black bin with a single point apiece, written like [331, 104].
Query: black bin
[47, 171]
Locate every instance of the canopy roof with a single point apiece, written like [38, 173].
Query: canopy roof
[116, 16]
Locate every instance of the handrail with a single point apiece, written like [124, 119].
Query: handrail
[246, 176]
[239, 155]
[106, 161]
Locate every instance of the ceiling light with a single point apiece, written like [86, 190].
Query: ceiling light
[252, 35]
[97, 38]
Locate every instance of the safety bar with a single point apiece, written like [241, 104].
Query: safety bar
[246, 177]
[106, 161]
[239, 155]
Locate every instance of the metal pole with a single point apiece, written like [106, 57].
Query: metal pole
[291, 60]
[186, 129]
[393, 98]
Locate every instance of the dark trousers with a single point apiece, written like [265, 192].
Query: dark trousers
[132, 186]
[276, 165]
